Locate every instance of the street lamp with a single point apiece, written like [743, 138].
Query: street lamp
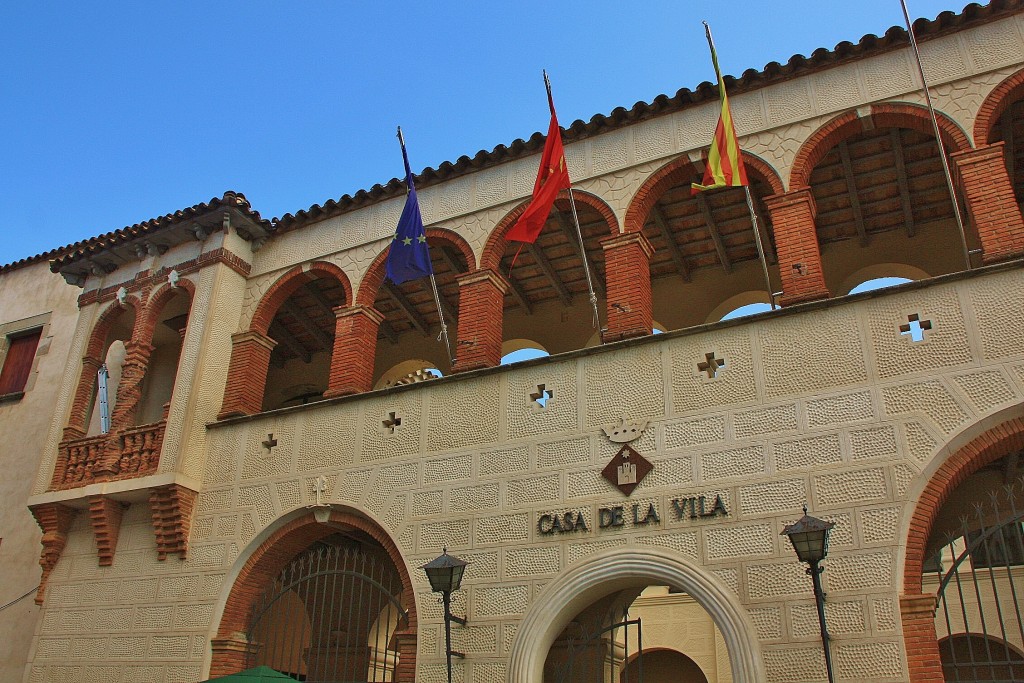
[445, 576]
[809, 536]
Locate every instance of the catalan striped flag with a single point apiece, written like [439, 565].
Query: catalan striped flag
[725, 163]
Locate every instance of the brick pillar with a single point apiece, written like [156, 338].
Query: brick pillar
[627, 259]
[917, 612]
[355, 348]
[247, 374]
[231, 655]
[405, 643]
[129, 390]
[796, 241]
[55, 521]
[105, 514]
[481, 314]
[990, 202]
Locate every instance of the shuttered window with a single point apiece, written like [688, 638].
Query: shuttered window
[21, 351]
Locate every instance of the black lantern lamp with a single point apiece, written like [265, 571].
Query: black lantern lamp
[445, 576]
[809, 536]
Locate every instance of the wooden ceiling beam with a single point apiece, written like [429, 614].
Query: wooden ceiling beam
[321, 300]
[716, 236]
[570, 234]
[325, 341]
[407, 307]
[904, 184]
[677, 255]
[519, 294]
[450, 259]
[551, 273]
[851, 191]
[280, 334]
[388, 331]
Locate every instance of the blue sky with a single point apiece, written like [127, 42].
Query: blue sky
[114, 113]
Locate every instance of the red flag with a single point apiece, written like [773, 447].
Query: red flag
[552, 178]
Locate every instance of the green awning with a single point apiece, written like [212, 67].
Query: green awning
[257, 675]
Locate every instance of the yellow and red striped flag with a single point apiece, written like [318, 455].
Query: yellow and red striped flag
[725, 163]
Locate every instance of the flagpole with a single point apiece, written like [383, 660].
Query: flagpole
[938, 136]
[746, 188]
[433, 285]
[576, 222]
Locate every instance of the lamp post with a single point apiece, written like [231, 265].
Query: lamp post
[445, 576]
[809, 536]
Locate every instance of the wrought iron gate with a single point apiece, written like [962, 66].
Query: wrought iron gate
[602, 657]
[980, 577]
[330, 617]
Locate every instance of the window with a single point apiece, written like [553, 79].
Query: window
[21, 351]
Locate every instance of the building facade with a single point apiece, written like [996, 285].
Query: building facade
[280, 459]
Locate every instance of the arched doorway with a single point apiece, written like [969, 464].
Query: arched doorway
[328, 601]
[662, 666]
[587, 603]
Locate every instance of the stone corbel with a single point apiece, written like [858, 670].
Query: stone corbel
[55, 521]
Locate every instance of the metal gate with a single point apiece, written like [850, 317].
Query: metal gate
[601, 657]
[980, 577]
[330, 616]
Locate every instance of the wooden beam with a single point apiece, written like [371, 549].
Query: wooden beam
[901, 179]
[450, 259]
[673, 248]
[552, 275]
[294, 310]
[716, 237]
[418, 321]
[851, 191]
[319, 298]
[450, 313]
[280, 334]
[519, 294]
[388, 331]
[570, 234]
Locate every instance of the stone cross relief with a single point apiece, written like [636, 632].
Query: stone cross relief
[320, 487]
[915, 327]
[269, 443]
[711, 365]
[391, 421]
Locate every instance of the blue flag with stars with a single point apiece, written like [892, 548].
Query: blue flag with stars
[409, 257]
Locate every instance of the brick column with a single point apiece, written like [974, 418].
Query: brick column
[55, 521]
[355, 348]
[990, 202]
[796, 241]
[627, 259]
[247, 374]
[405, 643]
[231, 655]
[481, 315]
[917, 613]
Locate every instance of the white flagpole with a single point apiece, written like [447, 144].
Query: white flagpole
[938, 136]
[443, 336]
[579, 233]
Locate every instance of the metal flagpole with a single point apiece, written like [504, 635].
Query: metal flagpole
[938, 136]
[433, 284]
[579, 233]
[746, 189]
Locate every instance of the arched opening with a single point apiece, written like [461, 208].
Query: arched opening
[1008, 128]
[957, 650]
[884, 188]
[112, 353]
[168, 336]
[321, 601]
[408, 372]
[547, 300]
[704, 244]
[411, 325]
[303, 329]
[579, 619]
[518, 350]
[879, 283]
[663, 666]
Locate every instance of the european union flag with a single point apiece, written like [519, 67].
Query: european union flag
[409, 257]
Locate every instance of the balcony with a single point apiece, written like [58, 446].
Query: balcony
[125, 454]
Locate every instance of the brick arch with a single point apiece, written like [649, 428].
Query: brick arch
[273, 554]
[997, 102]
[98, 338]
[496, 242]
[374, 277]
[286, 286]
[995, 443]
[158, 300]
[885, 115]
